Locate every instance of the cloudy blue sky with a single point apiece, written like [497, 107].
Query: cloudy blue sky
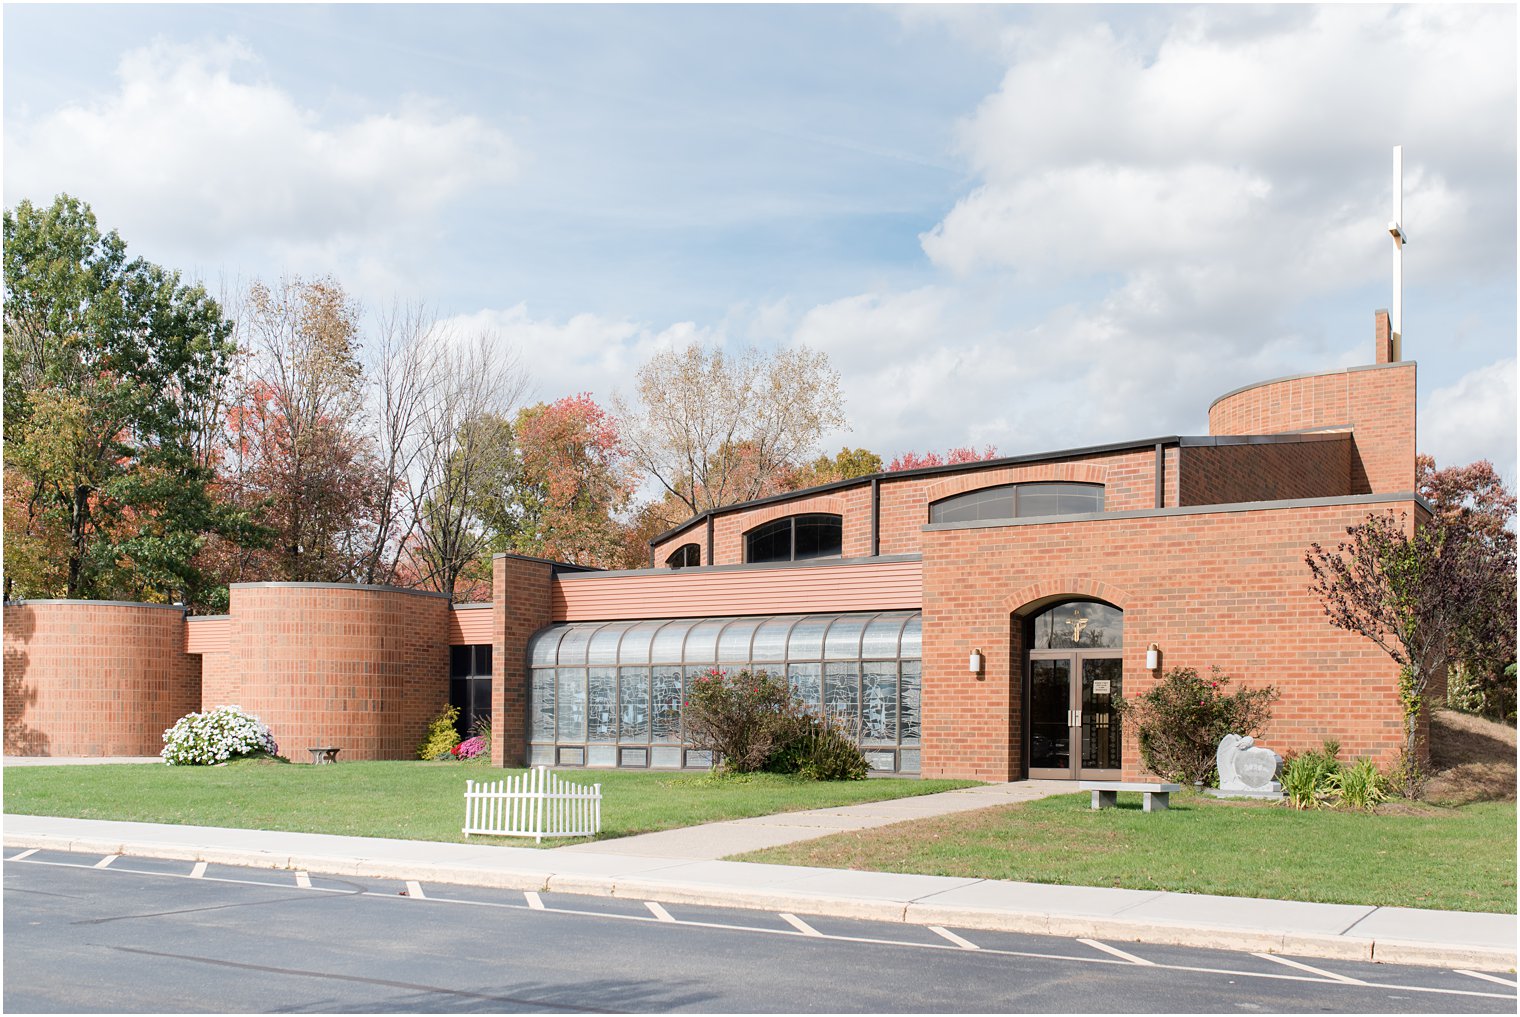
[1032, 227]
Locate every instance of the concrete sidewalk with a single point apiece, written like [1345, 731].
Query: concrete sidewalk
[1392, 935]
[78, 760]
[711, 841]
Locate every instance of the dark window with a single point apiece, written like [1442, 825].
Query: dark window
[684, 556]
[1018, 501]
[470, 686]
[771, 542]
[796, 538]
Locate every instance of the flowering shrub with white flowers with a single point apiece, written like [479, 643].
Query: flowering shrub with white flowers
[204, 739]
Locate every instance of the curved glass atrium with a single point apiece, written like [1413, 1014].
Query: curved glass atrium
[610, 693]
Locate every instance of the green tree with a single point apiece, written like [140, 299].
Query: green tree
[110, 366]
[848, 464]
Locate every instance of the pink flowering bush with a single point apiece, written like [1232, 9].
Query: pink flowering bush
[1183, 717]
[470, 748]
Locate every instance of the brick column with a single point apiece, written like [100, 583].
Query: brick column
[521, 605]
[1382, 337]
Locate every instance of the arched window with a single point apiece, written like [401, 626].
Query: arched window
[796, 538]
[684, 556]
[1080, 624]
[1018, 501]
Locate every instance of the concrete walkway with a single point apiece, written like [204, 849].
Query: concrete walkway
[77, 760]
[1393, 935]
[712, 841]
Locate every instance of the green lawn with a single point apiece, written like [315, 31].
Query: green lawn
[1459, 858]
[411, 800]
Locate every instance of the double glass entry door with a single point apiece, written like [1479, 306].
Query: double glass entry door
[1073, 727]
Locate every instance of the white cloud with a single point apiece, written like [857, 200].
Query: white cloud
[193, 150]
[1473, 419]
[1245, 152]
[586, 353]
[1164, 210]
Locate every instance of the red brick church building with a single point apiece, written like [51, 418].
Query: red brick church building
[975, 620]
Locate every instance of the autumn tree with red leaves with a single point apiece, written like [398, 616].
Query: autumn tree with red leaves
[299, 456]
[1411, 590]
[1474, 499]
[572, 480]
[954, 457]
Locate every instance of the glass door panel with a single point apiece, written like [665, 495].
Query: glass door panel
[1050, 717]
[1101, 735]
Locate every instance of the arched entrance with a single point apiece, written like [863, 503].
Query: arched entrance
[1072, 676]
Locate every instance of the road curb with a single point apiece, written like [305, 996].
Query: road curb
[1297, 944]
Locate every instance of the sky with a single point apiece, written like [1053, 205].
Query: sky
[1031, 227]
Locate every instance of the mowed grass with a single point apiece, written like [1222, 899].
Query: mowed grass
[1460, 859]
[409, 800]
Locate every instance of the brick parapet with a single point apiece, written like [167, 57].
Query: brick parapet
[95, 678]
[1221, 474]
[1376, 403]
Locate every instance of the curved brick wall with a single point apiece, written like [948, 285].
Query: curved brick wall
[360, 667]
[95, 678]
[1377, 403]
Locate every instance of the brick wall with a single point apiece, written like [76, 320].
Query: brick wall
[96, 678]
[1376, 403]
[520, 606]
[1223, 474]
[1129, 480]
[854, 504]
[1225, 588]
[363, 668]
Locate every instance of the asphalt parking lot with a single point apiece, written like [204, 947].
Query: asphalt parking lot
[92, 933]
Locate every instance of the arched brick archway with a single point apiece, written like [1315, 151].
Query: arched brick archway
[1077, 731]
[1042, 594]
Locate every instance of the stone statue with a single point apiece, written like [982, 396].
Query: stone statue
[1246, 770]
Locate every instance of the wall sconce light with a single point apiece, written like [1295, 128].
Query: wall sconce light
[1153, 657]
[974, 663]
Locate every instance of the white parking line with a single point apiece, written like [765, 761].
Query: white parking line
[303, 879]
[1313, 971]
[799, 924]
[534, 900]
[414, 889]
[960, 941]
[1116, 952]
[25, 854]
[106, 861]
[1320, 977]
[1488, 978]
[199, 871]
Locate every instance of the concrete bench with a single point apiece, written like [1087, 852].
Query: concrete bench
[1106, 793]
[325, 754]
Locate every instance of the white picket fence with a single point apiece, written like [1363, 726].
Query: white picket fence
[535, 804]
